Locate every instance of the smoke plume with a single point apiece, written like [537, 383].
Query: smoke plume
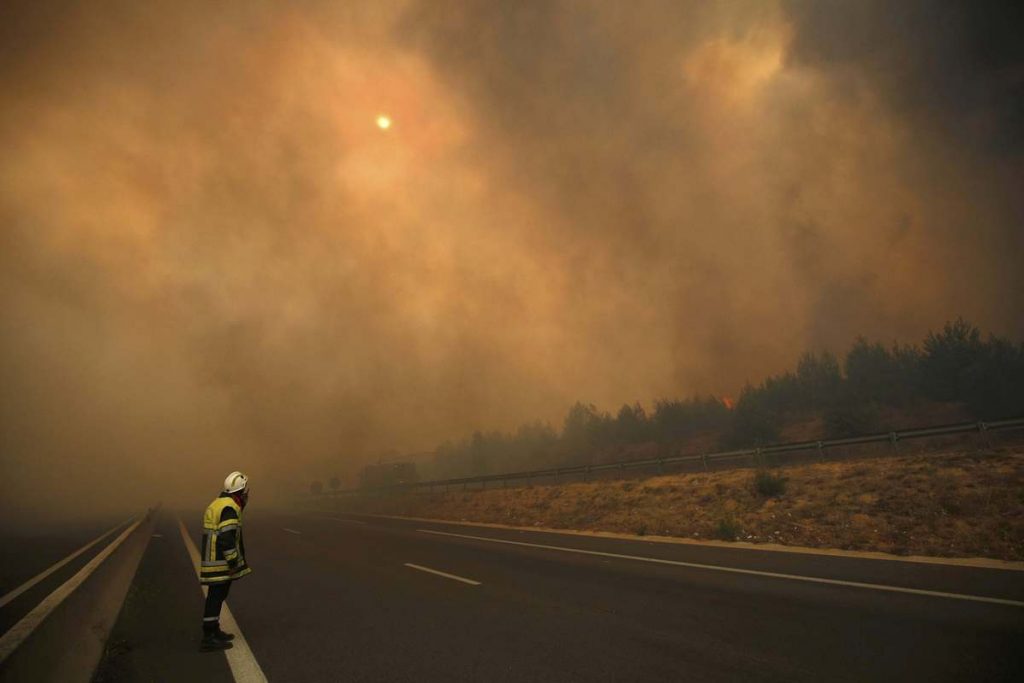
[213, 258]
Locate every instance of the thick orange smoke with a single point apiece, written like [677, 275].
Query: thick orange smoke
[214, 257]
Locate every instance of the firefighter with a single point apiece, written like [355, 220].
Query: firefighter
[223, 556]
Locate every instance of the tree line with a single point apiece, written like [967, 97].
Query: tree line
[857, 394]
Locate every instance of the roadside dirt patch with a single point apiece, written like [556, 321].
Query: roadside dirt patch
[960, 504]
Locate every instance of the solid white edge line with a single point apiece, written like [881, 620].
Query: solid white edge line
[21, 630]
[243, 664]
[877, 556]
[446, 575]
[42, 575]
[292, 531]
[736, 570]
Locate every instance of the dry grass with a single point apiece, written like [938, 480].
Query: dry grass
[965, 504]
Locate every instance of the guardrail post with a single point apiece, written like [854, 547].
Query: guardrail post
[586, 473]
[894, 439]
[661, 465]
[756, 456]
[986, 437]
[821, 452]
[704, 459]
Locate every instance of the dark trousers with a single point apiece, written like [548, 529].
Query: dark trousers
[216, 594]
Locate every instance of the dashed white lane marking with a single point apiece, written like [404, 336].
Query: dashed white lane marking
[735, 570]
[446, 575]
[244, 667]
[42, 575]
[158, 535]
[21, 630]
[292, 531]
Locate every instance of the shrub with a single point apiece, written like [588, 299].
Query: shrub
[851, 418]
[769, 485]
[728, 529]
[755, 420]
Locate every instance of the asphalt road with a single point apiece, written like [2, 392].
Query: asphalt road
[25, 553]
[335, 599]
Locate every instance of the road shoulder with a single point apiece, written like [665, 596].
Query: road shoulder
[156, 636]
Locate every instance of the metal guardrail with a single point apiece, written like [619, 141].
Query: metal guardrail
[757, 454]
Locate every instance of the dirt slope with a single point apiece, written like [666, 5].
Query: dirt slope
[962, 504]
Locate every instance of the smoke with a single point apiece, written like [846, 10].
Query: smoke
[213, 259]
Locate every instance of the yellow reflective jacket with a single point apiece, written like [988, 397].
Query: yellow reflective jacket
[223, 553]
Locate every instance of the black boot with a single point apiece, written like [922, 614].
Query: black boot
[211, 641]
[221, 635]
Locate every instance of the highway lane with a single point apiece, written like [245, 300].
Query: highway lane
[333, 599]
[934, 576]
[25, 553]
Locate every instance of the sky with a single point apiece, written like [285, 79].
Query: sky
[213, 256]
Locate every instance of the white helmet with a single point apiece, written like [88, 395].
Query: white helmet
[235, 482]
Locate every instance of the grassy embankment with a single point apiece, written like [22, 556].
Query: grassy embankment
[960, 504]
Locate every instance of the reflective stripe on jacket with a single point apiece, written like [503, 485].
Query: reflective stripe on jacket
[223, 553]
